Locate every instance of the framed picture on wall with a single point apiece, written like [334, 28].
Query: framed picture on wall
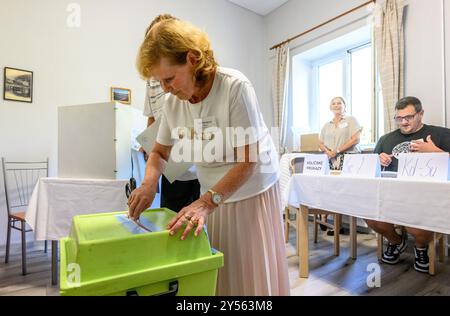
[121, 95]
[18, 85]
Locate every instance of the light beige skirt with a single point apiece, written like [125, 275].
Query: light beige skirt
[250, 234]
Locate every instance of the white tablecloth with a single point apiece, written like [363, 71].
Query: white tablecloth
[55, 201]
[419, 204]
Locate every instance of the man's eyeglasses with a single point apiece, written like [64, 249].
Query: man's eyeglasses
[407, 118]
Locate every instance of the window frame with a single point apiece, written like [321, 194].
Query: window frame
[344, 54]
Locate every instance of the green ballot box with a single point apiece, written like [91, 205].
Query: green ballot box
[109, 254]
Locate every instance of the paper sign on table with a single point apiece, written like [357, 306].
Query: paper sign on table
[316, 165]
[361, 165]
[425, 166]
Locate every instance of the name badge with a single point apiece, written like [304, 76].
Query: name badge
[208, 122]
[361, 165]
[343, 125]
[316, 165]
[204, 123]
[425, 166]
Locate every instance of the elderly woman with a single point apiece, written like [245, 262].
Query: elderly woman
[211, 107]
[338, 137]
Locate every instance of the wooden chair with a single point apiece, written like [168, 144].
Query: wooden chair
[19, 180]
[438, 240]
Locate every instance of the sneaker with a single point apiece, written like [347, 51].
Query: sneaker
[421, 262]
[392, 253]
[331, 232]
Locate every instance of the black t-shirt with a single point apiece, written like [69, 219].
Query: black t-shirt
[396, 142]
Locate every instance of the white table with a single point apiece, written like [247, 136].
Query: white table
[55, 201]
[419, 204]
[285, 175]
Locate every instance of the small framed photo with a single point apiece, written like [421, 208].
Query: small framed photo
[18, 85]
[121, 95]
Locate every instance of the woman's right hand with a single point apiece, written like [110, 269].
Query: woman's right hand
[141, 199]
[331, 154]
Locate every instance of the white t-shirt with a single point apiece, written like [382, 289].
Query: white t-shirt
[210, 130]
[155, 98]
[334, 136]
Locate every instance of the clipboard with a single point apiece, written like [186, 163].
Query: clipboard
[147, 140]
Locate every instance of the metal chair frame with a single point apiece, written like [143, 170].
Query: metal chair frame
[25, 175]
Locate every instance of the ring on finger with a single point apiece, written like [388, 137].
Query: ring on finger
[194, 222]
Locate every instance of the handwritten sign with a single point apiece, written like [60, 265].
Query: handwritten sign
[364, 165]
[426, 166]
[316, 165]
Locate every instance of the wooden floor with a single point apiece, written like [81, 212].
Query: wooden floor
[38, 280]
[329, 275]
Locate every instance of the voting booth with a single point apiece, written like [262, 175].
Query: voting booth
[109, 254]
[97, 141]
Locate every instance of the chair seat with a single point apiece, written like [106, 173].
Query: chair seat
[20, 216]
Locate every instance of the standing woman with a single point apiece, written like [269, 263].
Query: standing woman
[240, 200]
[338, 137]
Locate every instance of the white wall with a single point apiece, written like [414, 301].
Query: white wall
[297, 16]
[424, 42]
[301, 116]
[79, 65]
[424, 58]
[447, 60]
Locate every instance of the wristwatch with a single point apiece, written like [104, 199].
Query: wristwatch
[216, 197]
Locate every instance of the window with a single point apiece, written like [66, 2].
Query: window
[333, 69]
[330, 84]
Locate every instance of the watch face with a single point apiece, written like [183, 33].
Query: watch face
[216, 198]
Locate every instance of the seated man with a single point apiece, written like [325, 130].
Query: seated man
[412, 136]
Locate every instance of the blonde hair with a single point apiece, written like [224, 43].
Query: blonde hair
[173, 39]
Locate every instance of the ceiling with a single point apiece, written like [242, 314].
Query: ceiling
[261, 7]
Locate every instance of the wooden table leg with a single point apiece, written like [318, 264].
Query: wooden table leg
[379, 246]
[337, 235]
[353, 237]
[54, 262]
[302, 241]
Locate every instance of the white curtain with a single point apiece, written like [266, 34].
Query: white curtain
[280, 84]
[389, 49]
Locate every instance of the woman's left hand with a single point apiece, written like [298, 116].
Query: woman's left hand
[193, 216]
[331, 154]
